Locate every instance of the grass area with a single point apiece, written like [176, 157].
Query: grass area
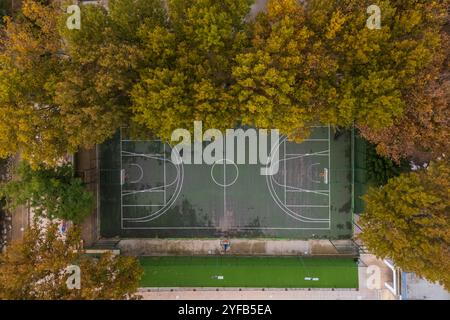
[266, 272]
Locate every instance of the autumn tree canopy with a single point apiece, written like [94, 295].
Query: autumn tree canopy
[190, 61]
[159, 65]
[423, 133]
[106, 55]
[30, 68]
[316, 61]
[36, 269]
[408, 221]
[63, 89]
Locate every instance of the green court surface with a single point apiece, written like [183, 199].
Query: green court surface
[250, 272]
[144, 193]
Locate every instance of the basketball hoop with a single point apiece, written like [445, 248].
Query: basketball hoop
[324, 175]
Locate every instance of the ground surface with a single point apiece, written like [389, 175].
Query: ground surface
[365, 290]
[143, 193]
[252, 272]
[319, 294]
[238, 247]
[86, 168]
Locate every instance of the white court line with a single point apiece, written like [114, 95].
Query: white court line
[128, 140]
[298, 189]
[141, 175]
[121, 194]
[156, 156]
[329, 173]
[307, 154]
[152, 190]
[288, 157]
[305, 206]
[150, 156]
[178, 180]
[270, 180]
[144, 205]
[285, 174]
[224, 182]
[328, 153]
[165, 181]
[232, 228]
[306, 190]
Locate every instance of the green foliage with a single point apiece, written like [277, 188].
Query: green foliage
[54, 192]
[159, 65]
[268, 74]
[30, 67]
[62, 89]
[188, 74]
[408, 221]
[105, 57]
[318, 62]
[381, 169]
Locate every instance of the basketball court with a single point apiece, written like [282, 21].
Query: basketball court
[145, 194]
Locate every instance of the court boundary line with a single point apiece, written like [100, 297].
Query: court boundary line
[179, 180]
[231, 228]
[121, 187]
[271, 179]
[329, 175]
[165, 180]
[321, 153]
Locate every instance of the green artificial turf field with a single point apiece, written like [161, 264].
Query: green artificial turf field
[253, 272]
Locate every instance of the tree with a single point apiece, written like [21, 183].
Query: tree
[316, 61]
[68, 89]
[51, 192]
[380, 169]
[63, 89]
[408, 220]
[36, 268]
[423, 134]
[106, 55]
[30, 67]
[269, 88]
[159, 65]
[5, 9]
[188, 76]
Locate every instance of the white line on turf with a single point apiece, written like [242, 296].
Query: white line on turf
[329, 172]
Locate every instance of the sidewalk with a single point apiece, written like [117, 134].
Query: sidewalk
[266, 295]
